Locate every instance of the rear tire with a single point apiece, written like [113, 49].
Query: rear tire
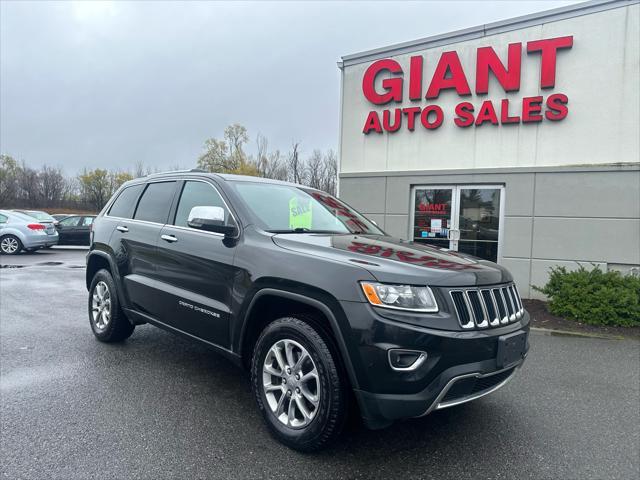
[300, 391]
[10, 245]
[107, 320]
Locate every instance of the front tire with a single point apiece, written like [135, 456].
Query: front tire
[10, 245]
[298, 384]
[106, 318]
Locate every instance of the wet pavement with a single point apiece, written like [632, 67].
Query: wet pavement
[160, 407]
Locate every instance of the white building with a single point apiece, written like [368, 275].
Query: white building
[516, 141]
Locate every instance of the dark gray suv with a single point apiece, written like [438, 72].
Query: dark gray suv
[316, 301]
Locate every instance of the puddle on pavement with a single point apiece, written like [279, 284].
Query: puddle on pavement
[47, 264]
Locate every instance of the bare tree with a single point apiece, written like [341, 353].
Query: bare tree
[262, 158]
[52, 184]
[330, 176]
[139, 170]
[9, 171]
[295, 165]
[236, 136]
[28, 191]
[276, 167]
[315, 170]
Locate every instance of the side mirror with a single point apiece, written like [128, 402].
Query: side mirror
[211, 219]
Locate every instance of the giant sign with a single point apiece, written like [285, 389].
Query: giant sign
[450, 75]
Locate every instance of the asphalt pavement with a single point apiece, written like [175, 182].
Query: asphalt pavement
[159, 407]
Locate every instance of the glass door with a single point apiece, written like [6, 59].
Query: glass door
[478, 221]
[465, 218]
[432, 215]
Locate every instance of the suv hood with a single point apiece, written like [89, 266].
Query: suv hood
[394, 260]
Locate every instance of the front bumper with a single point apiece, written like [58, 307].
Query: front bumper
[461, 365]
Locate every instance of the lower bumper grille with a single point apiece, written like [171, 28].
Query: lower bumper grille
[474, 385]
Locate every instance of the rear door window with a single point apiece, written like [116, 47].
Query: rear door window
[196, 194]
[86, 221]
[155, 202]
[125, 204]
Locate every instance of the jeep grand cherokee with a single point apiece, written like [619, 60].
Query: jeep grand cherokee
[316, 301]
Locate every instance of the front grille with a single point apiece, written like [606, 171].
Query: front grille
[487, 307]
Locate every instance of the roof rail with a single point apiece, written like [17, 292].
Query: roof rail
[199, 170]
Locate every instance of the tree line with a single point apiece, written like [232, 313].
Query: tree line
[49, 188]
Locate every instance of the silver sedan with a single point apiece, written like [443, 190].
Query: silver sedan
[21, 232]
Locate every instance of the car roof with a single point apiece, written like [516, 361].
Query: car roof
[220, 176]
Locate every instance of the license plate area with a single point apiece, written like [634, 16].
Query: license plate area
[511, 349]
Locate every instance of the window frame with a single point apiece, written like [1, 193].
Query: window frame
[176, 202]
[110, 205]
[171, 202]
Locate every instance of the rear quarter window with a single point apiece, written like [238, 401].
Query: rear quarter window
[125, 204]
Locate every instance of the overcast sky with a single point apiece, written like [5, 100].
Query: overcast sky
[88, 84]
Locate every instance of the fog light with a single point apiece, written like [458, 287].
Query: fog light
[406, 360]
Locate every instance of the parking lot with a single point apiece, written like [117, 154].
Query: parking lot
[158, 406]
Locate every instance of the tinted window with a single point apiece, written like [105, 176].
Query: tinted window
[125, 204]
[155, 202]
[196, 194]
[70, 221]
[86, 221]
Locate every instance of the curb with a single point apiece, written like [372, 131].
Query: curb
[567, 333]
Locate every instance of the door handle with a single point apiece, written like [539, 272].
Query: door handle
[122, 228]
[169, 238]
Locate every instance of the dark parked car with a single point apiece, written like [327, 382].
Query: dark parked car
[310, 296]
[75, 229]
[60, 216]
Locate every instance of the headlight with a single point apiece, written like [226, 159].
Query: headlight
[402, 297]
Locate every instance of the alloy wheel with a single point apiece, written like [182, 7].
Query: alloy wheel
[101, 306]
[9, 245]
[291, 383]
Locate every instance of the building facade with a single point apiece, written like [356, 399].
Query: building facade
[517, 141]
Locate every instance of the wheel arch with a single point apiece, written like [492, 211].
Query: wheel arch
[252, 324]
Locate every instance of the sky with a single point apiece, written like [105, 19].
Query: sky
[109, 84]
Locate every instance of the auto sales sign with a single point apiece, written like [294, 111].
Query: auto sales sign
[449, 75]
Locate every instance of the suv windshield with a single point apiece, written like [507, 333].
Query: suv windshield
[287, 208]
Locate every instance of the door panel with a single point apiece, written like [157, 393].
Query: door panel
[135, 251]
[134, 242]
[197, 271]
[197, 267]
[67, 230]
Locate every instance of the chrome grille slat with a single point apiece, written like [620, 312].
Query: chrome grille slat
[492, 309]
[487, 307]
